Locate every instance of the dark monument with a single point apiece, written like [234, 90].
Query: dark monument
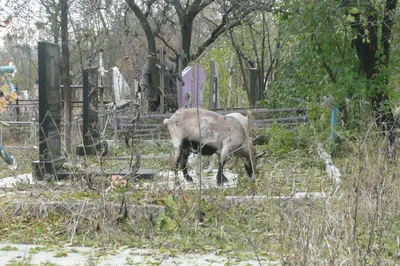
[90, 130]
[50, 158]
[255, 88]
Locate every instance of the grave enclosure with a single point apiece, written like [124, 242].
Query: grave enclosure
[147, 128]
[50, 156]
[193, 86]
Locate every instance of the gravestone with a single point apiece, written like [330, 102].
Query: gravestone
[155, 73]
[255, 88]
[122, 91]
[194, 78]
[214, 90]
[50, 158]
[90, 129]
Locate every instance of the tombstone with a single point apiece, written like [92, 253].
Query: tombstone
[154, 73]
[255, 88]
[90, 129]
[50, 158]
[214, 90]
[121, 89]
[194, 78]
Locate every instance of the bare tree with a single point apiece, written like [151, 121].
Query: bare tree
[256, 53]
[232, 14]
[65, 75]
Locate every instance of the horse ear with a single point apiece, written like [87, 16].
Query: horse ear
[258, 156]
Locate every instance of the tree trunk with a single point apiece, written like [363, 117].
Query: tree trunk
[367, 51]
[55, 26]
[151, 41]
[387, 24]
[65, 75]
[242, 67]
[186, 29]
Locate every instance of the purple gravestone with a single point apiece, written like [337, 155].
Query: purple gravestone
[194, 78]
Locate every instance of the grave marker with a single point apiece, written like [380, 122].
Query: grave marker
[255, 88]
[214, 90]
[50, 158]
[90, 129]
[121, 89]
[194, 78]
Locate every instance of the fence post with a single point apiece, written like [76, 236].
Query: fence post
[74, 131]
[33, 132]
[214, 86]
[115, 124]
[75, 141]
[162, 96]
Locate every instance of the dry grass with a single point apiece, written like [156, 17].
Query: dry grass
[356, 224]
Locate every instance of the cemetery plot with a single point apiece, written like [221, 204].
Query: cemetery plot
[164, 211]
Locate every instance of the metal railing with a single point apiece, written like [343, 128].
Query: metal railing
[8, 125]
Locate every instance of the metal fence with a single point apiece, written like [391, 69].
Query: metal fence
[28, 129]
[151, 125]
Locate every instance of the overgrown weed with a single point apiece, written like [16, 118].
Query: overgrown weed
[356, 223]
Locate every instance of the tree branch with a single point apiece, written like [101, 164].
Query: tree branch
[198, 6]
[387, 29]
[145, 25]
[178, 8]
[327, 68]
[210, 21]
[253, 43]
[242, 68]
[224, 26]
[166, 43]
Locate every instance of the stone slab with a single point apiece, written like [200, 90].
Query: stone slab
[16, 254]
[208, 181]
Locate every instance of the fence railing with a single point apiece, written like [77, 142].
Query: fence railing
[143, 128]
[10, 125]
[151, 125]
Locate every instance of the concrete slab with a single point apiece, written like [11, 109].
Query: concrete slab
[208, 181]
[142, 173]
[9, 182]
[11, 254]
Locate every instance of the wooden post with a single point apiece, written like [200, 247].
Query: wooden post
[214, 91]
[74, 131]
[162, 95]
[115, 124]
[33, 132]
[1, 136]
[179, 79]
[230, 82]
[101, 92]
